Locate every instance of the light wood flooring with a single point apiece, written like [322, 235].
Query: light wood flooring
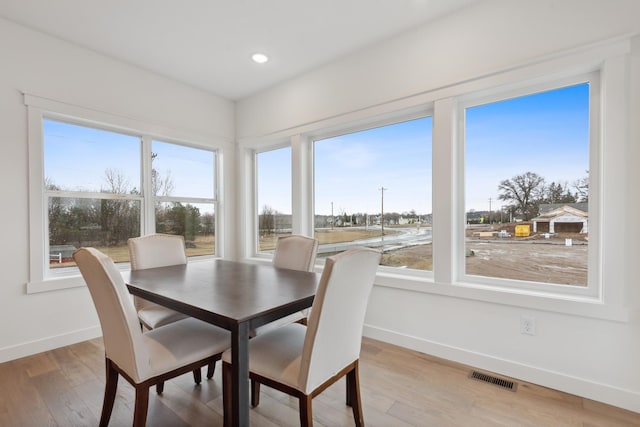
[400, 387]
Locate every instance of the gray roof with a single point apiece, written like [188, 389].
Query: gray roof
[548, 207]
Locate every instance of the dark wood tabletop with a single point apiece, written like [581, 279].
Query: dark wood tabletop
[236, 296]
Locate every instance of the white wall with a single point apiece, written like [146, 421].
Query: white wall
[588, 356]
[49, 68]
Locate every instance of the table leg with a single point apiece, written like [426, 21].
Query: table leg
[240, 375]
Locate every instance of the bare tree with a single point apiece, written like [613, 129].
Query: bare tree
[524, 192]
[116, 182]
[118, 218]
[582, 187]
[267, 220]
[161, 186]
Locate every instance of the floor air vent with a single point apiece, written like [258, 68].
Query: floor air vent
[500, 382]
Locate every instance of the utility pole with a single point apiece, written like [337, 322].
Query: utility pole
[332, 215]
[489, 210]
[382, 209]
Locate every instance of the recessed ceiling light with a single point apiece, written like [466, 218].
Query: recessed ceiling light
[259, 58]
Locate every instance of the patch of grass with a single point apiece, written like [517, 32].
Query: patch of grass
[201, 245]
[326, 236]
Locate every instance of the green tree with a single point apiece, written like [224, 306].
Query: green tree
[183, 220]
[559, 193]
[208, 223]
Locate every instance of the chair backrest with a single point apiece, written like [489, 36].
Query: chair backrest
[334, 330]
[295, 252]
[156, 250]
[123, 342]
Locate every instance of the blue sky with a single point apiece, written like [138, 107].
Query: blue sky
[68, 149]
[545, 133]
[274, 179]
[76, 157]
[351, 169]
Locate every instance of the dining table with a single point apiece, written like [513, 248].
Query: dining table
[236, 296]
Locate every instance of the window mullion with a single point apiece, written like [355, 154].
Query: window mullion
[302, 189]
[147, 212]
[446, 205]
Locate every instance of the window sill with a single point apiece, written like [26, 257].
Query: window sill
[55, 284]
[564, 304]
[73, 279]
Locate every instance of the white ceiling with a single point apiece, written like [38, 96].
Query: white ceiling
[208, 43]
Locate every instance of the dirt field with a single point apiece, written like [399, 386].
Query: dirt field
[531, 258]
[534, 259]
[538, 262]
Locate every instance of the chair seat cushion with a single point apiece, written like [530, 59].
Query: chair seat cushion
[183, 342]
[277, 354]
[153, 316]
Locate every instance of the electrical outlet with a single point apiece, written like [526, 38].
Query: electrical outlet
[527, 325]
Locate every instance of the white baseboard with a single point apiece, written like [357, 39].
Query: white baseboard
[611, 395]
[49, 343]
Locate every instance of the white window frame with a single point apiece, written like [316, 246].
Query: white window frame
[606, 297]
[593, 288]
[255, 205]
[149, 214]
[389, 119]
[42, 278]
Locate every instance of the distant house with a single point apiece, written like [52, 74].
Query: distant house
[562, 218]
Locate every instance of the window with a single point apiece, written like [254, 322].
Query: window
[273, 170]
[104, 186]
[448, 177]
[93, 191]
[183, 183]
[527, 187]
[373, 188]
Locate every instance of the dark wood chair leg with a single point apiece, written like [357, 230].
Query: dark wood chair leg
[255, 393]
[211, 369]
[306, 413]
[353, 395]
[160, 387]
[226, 393]
[197, 376]
[142, 402]
[110, 389]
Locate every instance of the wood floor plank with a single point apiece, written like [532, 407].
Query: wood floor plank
[64, 404]
[187, 404]
[400, 387]
[21, 399]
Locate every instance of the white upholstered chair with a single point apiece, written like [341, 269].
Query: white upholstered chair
[303, 361]
[142, 358]
[159, 250]
[151, 251]
[294, 252]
